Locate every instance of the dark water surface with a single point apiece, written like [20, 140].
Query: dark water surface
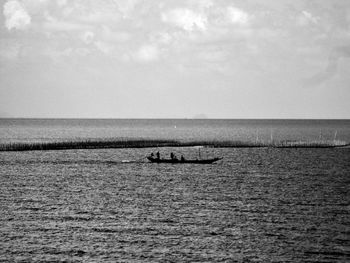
[256, 205]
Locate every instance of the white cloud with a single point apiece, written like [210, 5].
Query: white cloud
[104, 47]
[61, 2]
[100, 17]
[237, 16]
[64, 26]
[310, 17]
[126, 6]
[35, 6]
[54, 24]
[202, 4]
[114, 36]
[58, 55]
[306, 18]
[16, 15]
[88, 37]
[186, 19]
[162, 38]
[147, 53]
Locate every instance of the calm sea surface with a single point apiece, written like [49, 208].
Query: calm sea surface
[110, 205]
[17, 130]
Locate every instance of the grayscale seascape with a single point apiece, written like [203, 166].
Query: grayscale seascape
[109, 205]
[175, 131]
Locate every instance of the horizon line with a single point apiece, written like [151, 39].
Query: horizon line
[154, 118]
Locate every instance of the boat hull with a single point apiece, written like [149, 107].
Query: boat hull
[176, 161]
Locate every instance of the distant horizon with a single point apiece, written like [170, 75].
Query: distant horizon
[71, 118]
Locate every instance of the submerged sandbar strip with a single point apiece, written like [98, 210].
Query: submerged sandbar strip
[151, 143]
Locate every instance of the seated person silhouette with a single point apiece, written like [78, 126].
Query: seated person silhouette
[173, 157]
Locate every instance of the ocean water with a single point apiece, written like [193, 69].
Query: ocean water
[24, 130]
[110, 205]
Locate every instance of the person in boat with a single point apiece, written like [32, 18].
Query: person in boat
[182, 158]
[172, 156]
[158, 155]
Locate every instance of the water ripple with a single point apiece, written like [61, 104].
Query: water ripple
[258, 205]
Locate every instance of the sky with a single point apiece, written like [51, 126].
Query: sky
[175, 58]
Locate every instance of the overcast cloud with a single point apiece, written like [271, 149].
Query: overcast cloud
[150, 58]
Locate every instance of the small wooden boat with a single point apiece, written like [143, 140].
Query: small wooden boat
[201, 161]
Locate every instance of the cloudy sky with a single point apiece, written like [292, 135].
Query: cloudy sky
[175, 58]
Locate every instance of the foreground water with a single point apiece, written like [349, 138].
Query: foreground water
[256, 205]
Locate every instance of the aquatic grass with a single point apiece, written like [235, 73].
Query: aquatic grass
[153, 143]
[310, 144]
[272, 144]
[84, 144]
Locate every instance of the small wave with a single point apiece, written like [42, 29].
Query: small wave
[34, 209]
[72, 252]
[105, 230]
[131, 161]
[76, 218]
[329, 253]
[68, 162]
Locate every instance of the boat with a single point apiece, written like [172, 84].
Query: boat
[200, 161]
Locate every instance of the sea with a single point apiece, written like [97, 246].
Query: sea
[111, 205]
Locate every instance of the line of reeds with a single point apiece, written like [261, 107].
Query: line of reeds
[272, 144]
[84, 144]
[150, 143]
[310, 144]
